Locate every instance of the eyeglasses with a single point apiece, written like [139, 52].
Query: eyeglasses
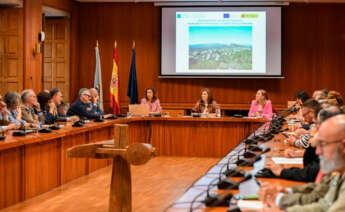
[87, 95]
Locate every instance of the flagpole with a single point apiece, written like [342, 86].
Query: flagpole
[96, 43]
[133, 46]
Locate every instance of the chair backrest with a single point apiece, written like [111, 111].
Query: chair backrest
[290, 103]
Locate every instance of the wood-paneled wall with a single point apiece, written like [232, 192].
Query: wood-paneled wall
[32, 62]
[313, 54]
[32, 73]
[11, 50]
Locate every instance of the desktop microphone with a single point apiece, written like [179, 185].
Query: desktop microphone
[246, 162]
[251, 141]
[213, 200]
[254, 148]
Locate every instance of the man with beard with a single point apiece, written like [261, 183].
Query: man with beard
[330, 146]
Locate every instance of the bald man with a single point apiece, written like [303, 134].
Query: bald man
[330, 146]
[94, 101]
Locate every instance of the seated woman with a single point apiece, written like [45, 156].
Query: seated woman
[151, 101]
[261, 106]
[206, 104]
[5, 124]
[48, 108]
[14, 113]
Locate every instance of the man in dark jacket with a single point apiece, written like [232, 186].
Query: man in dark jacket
[311, 162]
[82, 107]
[56, 98]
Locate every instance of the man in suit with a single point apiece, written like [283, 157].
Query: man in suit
[330, 146]
[311, 163]
[56, 98]
[30, 107]
[94, 101]
[82, 107]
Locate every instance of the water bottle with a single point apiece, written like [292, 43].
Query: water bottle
[40, 120]
[218, 111]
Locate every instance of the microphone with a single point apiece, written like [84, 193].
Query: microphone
[223, 200]
[211, 199]
[231, 172]
[255, 148]
[229, 184]
[246, 162]
[251, 141]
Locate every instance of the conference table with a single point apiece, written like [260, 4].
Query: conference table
[251, 187]
[37, 162]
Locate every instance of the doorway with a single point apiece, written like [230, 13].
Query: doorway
[56, 51]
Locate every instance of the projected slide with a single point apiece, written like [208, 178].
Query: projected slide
[221, 42]
[228, 47]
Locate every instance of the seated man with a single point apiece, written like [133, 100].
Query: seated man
[29, 108]
[82, 106]
[55, 103]
[94, 101]
[319, 94]
[330, 146]
[311, 163]
[301, 136]
[301, 97]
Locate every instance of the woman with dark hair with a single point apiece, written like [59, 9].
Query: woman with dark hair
[151, 100]
[261, 106]
[206, 104]
[47, 107]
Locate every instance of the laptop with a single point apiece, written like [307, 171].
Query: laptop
[139, 110]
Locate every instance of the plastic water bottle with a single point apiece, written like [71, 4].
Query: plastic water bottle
[218, 111]
[40, 119]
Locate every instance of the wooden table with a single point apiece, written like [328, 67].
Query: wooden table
[37, 163]
[277, 149]
[193, 137]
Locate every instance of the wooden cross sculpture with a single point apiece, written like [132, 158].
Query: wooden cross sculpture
[123, 155]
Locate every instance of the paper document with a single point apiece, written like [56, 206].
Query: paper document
[250, 205]
[282, 160]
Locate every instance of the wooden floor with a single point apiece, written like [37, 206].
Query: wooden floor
[155, 185]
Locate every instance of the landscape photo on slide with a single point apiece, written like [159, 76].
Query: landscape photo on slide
[220, 47]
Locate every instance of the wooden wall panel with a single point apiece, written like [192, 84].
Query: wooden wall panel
[313, 52]
[57, 56]
[59, 4]
[10, 177]
[72, 168]
[42, 167]
[11, 54]
[74, 45]
[32, 62]
[96, 136]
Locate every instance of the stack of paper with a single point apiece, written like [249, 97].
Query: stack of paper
[282, 160]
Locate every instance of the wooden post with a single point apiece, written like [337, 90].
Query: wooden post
[123, 155]
[120, 199]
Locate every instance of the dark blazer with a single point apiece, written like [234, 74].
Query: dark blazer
[78, 108]
[310, 170]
